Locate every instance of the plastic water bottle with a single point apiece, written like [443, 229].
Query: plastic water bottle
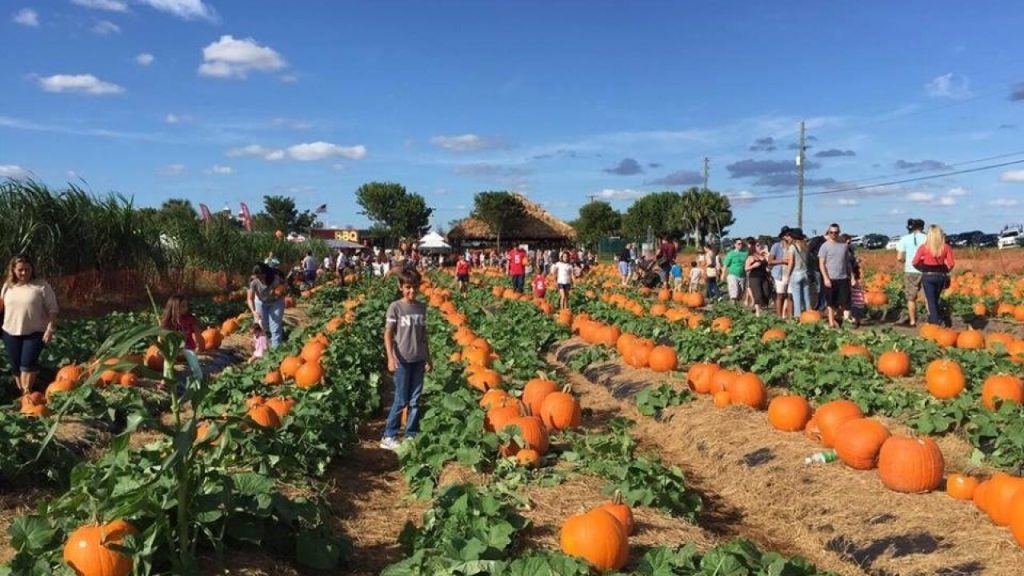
[821, 457]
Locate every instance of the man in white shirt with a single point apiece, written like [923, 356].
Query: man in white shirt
[905, 250]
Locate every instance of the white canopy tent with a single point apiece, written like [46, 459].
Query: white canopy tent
[433, 242]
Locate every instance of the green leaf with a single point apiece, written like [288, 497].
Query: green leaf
[31, 534]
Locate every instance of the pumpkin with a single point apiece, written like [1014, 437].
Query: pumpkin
[281, 406]
[71, 372]
[855, 350]
[1001, 490]
[789, 413]
[59, 386]
[264, 417]
[721, 399]
[980, 497]
[309, 375]
[497, 417]
[944, 378]
[998, 341]
[128, 379]
[858, 442]
[699, 377]
[597, 537]
[970, 340]
[1016, 515]
[229, 326]
[289, 366]
[748, 390]
[624, 344]
[721, 324]
[608, 336]
[640, 354]
[662, 359]
[894, 363]
[535, 391]
[212, 338]
[87, 549]
[484, 380]
[620, 510]
[772, 334]
[153, 359]
[528, 458]
[810, 317]
[560, 410]
[828, 417]
[312, 351]
[946, 337]
[273, 378]
[34, 404]
[910, 465]
[961, 486]
[1001, 388]
[493, 398]
[531, 430]
[721, 379]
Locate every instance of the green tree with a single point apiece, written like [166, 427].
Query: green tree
[597, 220]
[395, 212]
[654, 212]
[500, 210]
[701, 212]
[280, 213]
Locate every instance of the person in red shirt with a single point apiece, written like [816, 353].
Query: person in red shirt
[666, 257]
[462, 273]
[178, 318]
[516, 268]
[934, 259]
[540, 285]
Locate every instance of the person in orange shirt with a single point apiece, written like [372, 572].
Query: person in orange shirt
[934, 259]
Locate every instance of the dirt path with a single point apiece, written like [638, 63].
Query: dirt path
[758, 487]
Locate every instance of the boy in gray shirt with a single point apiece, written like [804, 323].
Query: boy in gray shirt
[405, 343]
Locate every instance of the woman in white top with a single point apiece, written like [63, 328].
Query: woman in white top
[30, 319]
[563, 276]
[795, 274]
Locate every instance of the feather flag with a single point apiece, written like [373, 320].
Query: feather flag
[246, 218]
[205, 210]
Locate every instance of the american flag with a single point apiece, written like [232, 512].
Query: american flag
[322, 209]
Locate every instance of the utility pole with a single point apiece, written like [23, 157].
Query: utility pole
[800, 181]
[591, 196]
[705, 173]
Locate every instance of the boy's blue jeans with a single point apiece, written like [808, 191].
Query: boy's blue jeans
[408, 387]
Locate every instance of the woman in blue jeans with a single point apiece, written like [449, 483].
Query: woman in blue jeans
[266, 301]
[29, 308]
[934, 259]
[795, 275]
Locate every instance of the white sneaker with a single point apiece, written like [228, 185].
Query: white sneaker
[389, 443]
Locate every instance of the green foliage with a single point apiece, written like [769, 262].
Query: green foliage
[500, 210]
[651, 401]
[739, 557]
[580, 359]
[596, 221]
[396, 213]
[280, 213]
[693, 213]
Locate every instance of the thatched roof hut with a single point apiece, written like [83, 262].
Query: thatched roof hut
[536, 227]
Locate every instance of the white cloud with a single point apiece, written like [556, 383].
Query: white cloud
[620, 194]
[85, 83]
[1012, 176]
[1004, 202]
[26, 17]
[13, 171]
[742, 197]
[949, 86]
[171, 170]
[848, 202]
[467, 143]
[920, 197]
[957, 191]
[105, 28]
[290, 78]
[291, 124]
[108, 5]
[231, 58]
[304, 152]
[339, 167]
[947, 198]
[220, 170]
[320, 150]
[184, 9]
[145, 59]
[897, 211]
[172, 118]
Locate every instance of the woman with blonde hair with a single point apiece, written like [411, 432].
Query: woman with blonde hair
[934, 259]
[30, 319]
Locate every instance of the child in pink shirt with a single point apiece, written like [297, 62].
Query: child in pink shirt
[259, 343]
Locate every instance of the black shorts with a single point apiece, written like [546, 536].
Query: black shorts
[463, 277]
[759, 289]
[838, 295]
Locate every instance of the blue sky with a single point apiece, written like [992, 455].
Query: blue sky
[228, 100]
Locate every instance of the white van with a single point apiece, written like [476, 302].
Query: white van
[1009, 236]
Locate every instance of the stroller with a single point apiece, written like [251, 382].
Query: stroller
[645, 274]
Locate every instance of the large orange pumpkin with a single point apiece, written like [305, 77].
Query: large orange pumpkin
[484, 380]
[748, 389]
[858, 442]
[535, 391]
[894, 363]
[264, 416]
[828, 417]
[810, 317]
[290, 365]
[773, 334]
[619, 509]
[699, 377]
[560, 410]
[961, 486]
[597, 537]
[944, 378]
[910, 465]
[855, 350]
[308, 375]
[532, 431]
[497, 417]
[970, 339]
[789, 413]
[1017, 517]
[662, 359]
[493, 398]
[87, 549]
[721, 379]
[1001, 490]
[1002, 388]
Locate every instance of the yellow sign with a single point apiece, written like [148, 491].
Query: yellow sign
[350, 235]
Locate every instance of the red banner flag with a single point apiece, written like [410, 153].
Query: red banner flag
[246, 218]
[206, 212]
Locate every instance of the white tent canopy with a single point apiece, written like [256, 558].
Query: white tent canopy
[433, 242]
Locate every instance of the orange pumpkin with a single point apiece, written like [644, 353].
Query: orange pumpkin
[721, 379]
[721, 399]
[619, 509]
[910, 465]
[894, 363]
[721, 324]
[493, 398]
[849, 349]
[1001, 490]
[531, 430]
[87, 550]
[944, 378]
[748, 390]
[71, 373]
[1001, 388]
[773, 334]
[810, 317]
[789, 413]
[534, 393]
[980, 497]
[699, 377]
[289, 366]
[597, 537]
[528, 458]
[662, 359]
[484, 380]
[561, 410]
[828, 417]
[497, 417]
[971, 340]
[309, 375]
[264, 417]
[273, 378]
[961, 486]
[858, 442]
[281, 406]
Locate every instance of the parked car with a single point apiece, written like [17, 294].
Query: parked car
[894, 243]
[987, 241]
[1008, 237]
[874, 241]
